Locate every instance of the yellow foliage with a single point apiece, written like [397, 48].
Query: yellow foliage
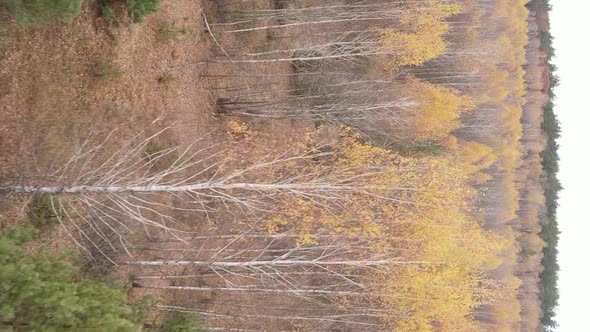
[438, 112]
[420, 205]
[418, 36]
[239, 131]
[410, 49]
[475, 158]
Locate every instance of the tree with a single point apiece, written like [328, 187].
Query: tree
[438, 112]
[109, 196]
[347, 32]
[41, 291]
[380, 109]
[391, 258]
[347, 219]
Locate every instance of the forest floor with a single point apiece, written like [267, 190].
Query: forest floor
[58, 83]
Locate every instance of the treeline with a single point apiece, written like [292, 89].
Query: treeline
[550, 230]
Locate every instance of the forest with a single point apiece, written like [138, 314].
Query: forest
[278, 165]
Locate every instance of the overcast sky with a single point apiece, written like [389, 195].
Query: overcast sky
[570, 28]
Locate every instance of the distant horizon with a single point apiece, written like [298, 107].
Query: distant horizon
[573, 70]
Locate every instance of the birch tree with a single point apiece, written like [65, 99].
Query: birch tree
[113, 196]
[344, 31]
[402, 109]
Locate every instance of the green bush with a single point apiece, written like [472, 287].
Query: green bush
[427, 148]
[168, 33]
[167, 79]
[108, 14]
[138, 9]
[182, 322]
[42, 291]
[110, 73]
[39, 12]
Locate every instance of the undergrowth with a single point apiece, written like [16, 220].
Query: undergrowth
[40, 12]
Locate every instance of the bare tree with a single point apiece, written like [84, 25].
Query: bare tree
[336, 282]
[112, 196]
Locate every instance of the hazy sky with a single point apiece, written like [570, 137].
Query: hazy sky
[570, 28]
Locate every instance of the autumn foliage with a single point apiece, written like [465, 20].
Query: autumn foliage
[441, 102]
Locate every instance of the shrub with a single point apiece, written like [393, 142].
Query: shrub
[108, 14]
[40, 12]
[167, 79]
[111, 73]
[183, 322]
[168, 33]
[138, 9]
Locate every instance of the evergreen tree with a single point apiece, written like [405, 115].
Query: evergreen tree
[42, 291]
